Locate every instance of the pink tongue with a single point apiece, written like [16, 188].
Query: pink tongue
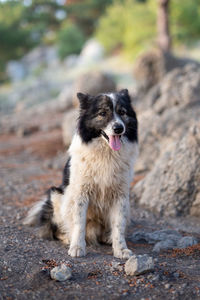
[114, 142]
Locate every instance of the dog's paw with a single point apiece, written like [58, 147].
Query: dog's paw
[123, 253]
[77, 251]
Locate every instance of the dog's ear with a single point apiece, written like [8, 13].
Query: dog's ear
[83, 99]
[125, 95]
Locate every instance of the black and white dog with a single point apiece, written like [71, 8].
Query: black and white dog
[92, 204]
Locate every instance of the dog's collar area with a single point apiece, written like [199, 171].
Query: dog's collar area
[105, 135]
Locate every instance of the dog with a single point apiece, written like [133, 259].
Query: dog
[92, 203]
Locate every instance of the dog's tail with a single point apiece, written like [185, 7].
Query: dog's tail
[45, 212]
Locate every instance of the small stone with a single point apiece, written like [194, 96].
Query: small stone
[186, 241]
[61, 273]
[167, 286]
[164, 245]
[139, 264]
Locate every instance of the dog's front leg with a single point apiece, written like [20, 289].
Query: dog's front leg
[119, 215]
[77, 243]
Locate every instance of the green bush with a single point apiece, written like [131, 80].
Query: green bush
[131, 24]
[70, 40]
[128, 24]
[185, 20]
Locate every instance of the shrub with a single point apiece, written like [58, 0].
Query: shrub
[70, 40]
[129, 24]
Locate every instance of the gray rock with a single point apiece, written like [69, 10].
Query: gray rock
[187, 241]
[139, 264]
[93, 83]
[92, 52]
[151, 67]
[156, 236]
[177, 95]
[65, 98]
[16, 70]
[69, 126]
[61, 273]
[164, 245]
[172, 187]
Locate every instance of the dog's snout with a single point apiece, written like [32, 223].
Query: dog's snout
[118, 128]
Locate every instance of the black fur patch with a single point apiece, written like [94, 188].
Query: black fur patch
[66, 175]
[97, 112]
[50, 229]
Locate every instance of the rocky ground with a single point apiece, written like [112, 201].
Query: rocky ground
[165, 239]
[26, 259]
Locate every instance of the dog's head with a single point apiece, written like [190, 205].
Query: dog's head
[109, 116]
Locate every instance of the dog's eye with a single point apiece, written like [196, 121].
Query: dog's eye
[122, 112]
[102, 113]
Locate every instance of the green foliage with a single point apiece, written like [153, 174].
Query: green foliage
[70, 40]
[185, 20]
[129, 24]
[85, 13]
[15, 39]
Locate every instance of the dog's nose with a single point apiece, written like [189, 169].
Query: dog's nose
[118, 128]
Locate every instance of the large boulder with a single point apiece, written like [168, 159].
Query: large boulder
[93, 83]
[153, 65]
[172, 112]
[172, 188]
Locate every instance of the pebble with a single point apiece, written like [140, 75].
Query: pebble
[139, 264]
[61, 273]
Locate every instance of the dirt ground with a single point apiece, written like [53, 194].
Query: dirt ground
[26, 259]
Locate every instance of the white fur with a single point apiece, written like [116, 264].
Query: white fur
[34, 211]
[98, 193]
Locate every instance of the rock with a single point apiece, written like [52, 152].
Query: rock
[156, 236]
[40, 57]
[178, 95]
[92, 52]
[61, 273]
[139, 264]
[71, 61]
[186, 241]
[172, 186]
[153, 65]
[164, 245]
[65, 98]
[69, 125]
[93, 83]
[16, 70]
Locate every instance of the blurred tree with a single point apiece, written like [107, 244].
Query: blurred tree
[128, 24]
[164, 39]
[185, 20]
[70, 40]
[15, 39]
[85, 13]
[24, 26]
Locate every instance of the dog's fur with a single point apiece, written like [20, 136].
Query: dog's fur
[92, 203]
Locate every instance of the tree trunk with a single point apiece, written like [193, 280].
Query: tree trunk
[164, 40]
